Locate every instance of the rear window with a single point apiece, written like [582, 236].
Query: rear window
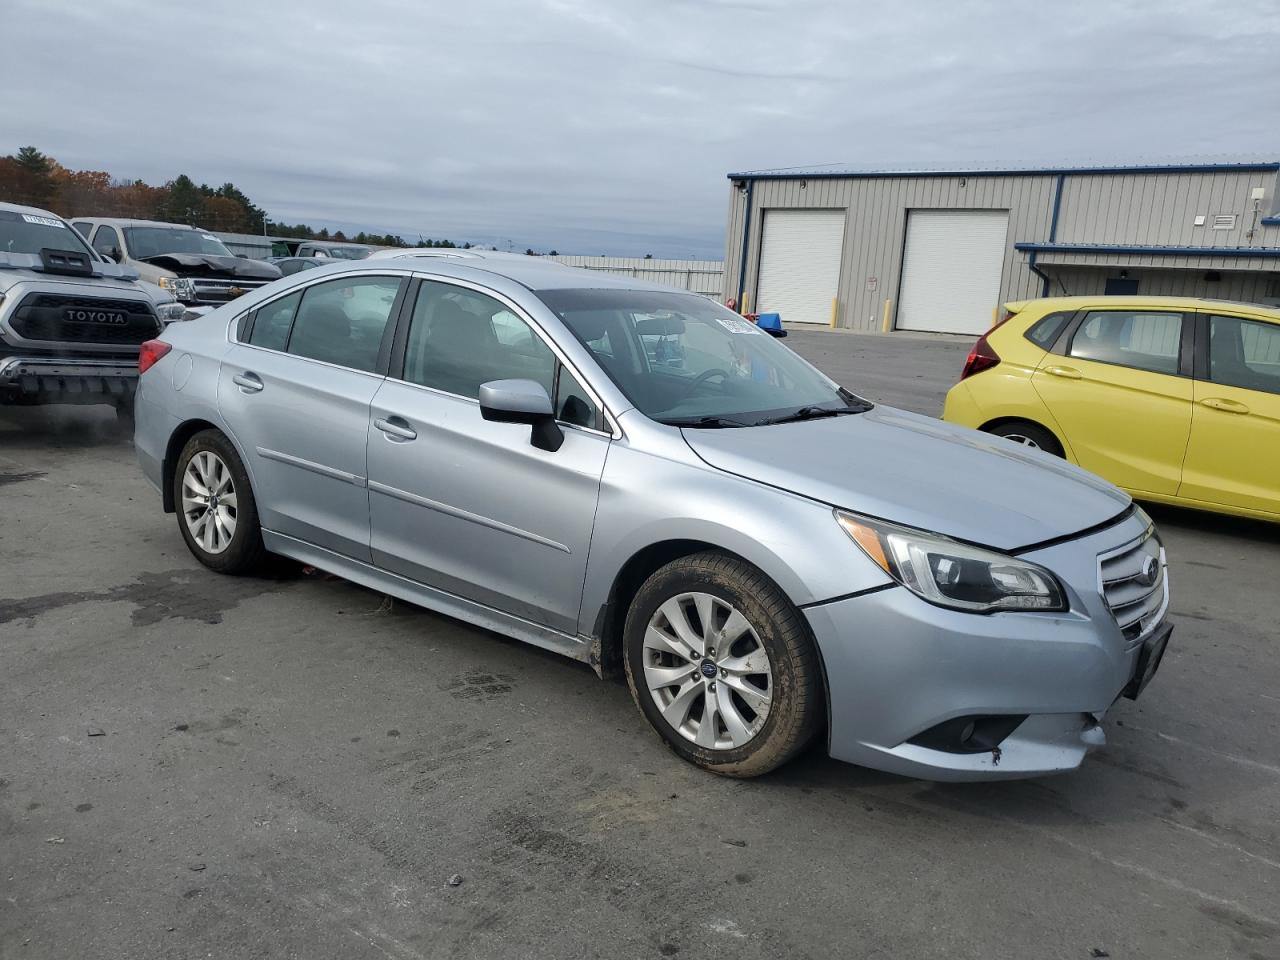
[1044, 332]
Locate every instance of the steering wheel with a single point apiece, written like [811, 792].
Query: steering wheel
[703, 377]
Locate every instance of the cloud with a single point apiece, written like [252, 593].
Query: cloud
[598, 126]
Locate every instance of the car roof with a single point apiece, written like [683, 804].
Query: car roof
[1050, 304]
[31, 211]
[129, 222]
[533, 273]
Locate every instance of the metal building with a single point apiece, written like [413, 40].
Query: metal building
[940, 250]
[700, 276]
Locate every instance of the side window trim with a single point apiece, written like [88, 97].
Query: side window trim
[395, 366]
[1200, 366]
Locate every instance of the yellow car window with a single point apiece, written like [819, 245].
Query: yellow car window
[1244, 353]
[1141, 340]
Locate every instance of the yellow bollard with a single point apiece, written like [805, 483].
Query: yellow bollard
[886, 325]
[746, 299]
[834, 302]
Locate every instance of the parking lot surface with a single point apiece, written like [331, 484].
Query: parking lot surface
[194, 765]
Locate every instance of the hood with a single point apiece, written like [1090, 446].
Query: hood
[106, 278]
[919, 472]
[209, 265]
[16, 264]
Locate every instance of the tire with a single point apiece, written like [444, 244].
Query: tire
[740, 741]
[1028, 434]
[242, 550]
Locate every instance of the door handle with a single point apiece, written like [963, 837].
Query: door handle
[396, 429]
[1067, 373]
[248, 382]
[1226, 406]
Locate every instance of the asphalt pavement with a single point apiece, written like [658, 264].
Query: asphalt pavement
[200, 766]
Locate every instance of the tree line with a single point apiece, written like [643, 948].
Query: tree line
[35, 179]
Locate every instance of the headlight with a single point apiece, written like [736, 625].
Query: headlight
[953, 574]
[168, 312]
[184, 288]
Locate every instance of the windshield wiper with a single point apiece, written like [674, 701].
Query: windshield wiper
[704, 422]
[816, 413]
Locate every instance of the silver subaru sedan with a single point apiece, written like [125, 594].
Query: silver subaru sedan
[643, 480]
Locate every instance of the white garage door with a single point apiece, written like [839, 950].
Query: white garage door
[800, 264]
[951, 270]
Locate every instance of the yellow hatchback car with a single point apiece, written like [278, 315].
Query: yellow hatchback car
[1174, 399]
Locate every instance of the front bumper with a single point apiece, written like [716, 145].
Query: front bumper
[31, 380]
[897, 667]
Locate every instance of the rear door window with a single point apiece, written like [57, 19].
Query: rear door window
[343, 321]
[272, 321]
[1140, 340]
[1244, 353]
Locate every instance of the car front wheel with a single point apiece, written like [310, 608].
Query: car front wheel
[722, 665]
[216, 510]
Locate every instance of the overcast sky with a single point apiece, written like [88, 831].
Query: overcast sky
[595, 126]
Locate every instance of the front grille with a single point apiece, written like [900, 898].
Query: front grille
[223, 291]
[60, 318]
[1135, 584]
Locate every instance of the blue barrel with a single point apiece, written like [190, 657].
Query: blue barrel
[771, 323]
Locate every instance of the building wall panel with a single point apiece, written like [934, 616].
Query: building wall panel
[1098, 208]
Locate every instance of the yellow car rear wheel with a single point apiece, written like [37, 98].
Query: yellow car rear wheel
[1028, 434]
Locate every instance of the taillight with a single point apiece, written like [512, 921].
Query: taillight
[981, 357]
[150, 353]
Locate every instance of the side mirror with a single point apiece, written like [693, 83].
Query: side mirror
[114, 254]
[522, 401]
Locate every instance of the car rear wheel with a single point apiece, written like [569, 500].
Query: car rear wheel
[216, 511]
[1028, 435]
[722, 665]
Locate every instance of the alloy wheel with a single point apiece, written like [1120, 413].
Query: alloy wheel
[209, 501]
[707, 671]
[1023, 440]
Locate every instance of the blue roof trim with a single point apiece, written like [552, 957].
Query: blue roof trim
[1263, 166]
[1269, 252]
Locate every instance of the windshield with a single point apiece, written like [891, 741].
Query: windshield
[684, 359]
[147, 242]
[347, 253]
[31, 233]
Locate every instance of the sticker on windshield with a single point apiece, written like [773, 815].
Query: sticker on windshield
[734, 325]
[209, 236]
[43, 221]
